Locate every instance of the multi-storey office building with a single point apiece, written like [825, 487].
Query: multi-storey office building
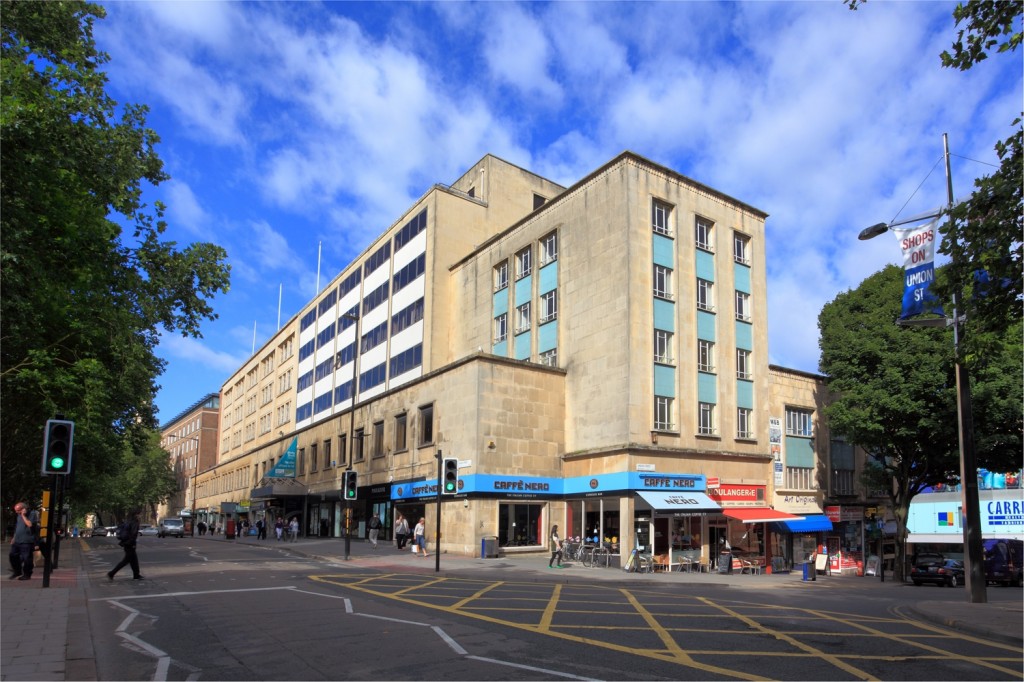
[594, 356]
[190, 438]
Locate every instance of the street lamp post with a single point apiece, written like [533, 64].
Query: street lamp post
[351, 433]
[974, 554]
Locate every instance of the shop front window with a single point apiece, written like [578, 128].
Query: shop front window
[519, 525]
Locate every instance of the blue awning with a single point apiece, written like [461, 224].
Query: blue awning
[811, 523]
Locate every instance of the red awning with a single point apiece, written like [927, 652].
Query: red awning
[759, 515]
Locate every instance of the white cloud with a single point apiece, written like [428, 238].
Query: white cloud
[518, 54]
[199, 354]
[184, 209]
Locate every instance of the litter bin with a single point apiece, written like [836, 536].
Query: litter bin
[489, 547]
[809, 571]
[725, 562]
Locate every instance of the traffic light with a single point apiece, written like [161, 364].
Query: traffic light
[350, 485]
[57, 446]
[450, 478]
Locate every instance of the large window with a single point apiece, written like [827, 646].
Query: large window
[500, 328]
[705, 355]
[741, 248]
[663, 346]
[742, 306]
[842, 467]
[328, 462]
[549, 358]
[549, 248]
[744, 423]
[663, 282]
[523, 318]
[548, 306]
[661, 213]
[501, 275]
[357, 445]
[521, 525]
[744, 368]
[400, 433]
[705, 295]
[706, 419]
[703, 236]
[799, 422]
[663, 413]
[524, 263]
[426, 425]
[378, 439]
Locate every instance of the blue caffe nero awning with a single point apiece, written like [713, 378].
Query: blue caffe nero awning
[811, 523]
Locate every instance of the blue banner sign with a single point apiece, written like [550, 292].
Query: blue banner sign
[918, 247]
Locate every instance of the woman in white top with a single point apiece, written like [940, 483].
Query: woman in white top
[420, 536]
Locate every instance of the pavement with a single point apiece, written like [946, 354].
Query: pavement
[44, 632]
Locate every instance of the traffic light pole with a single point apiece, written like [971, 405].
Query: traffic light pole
[437, 532]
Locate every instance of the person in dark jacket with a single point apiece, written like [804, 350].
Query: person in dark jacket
[23, 542]
[127, 537]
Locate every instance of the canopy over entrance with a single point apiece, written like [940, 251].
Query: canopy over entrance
[679, 502]
[759, 515]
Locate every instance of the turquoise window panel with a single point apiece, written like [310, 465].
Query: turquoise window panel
[744, 335]
[745, 394]
[548, 278]
[799, 452]
[664, 251]
[706, 325]
[706, 265]
[521, 346]
[741, 275]
[500, 302]
[707, 387]
[547, 336]
[500, 348]
[524, 289]
[664, 315]
[665, 381]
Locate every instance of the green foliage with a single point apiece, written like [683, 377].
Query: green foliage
[896, 396]
[83, 299]
[988, 24]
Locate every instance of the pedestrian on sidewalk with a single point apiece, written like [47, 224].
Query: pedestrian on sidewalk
[293, 528]
[261, 529]
[374, 529]
[401, 532]
[420, 537]
[556, 547]
[127, 534]
[23, 542]
[279, 528]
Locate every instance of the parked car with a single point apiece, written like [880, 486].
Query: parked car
[937, 569]
[111, 531]
[172, 526]
[147, 529]
[1003, 562]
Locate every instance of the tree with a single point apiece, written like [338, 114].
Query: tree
[87, 278]
[895, 389]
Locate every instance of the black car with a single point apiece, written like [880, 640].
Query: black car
[939, 571]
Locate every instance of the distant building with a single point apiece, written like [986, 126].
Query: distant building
[190, 438]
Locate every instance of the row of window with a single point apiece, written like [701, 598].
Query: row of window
[548, 311]
[663, 289]
[662, 215]
[798, 422]
[402, 362]
[321, 458]
[523, 259]
[409, 273]
[664, 343]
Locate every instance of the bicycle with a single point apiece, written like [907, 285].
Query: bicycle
[572, 551]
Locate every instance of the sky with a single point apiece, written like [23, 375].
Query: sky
[298, 131]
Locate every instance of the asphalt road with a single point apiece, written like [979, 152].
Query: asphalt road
[232, 612]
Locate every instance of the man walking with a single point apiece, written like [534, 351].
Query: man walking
[26, 534]
[374, 529]
[127, 534]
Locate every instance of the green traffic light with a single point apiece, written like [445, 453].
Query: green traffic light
[449, 486]
[57, 463]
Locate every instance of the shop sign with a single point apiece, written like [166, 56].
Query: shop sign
[733, 495]
[798, 504]
[228, 507]
[833, 513]
[645, 467]
[713, 482]
[669, 482]
[849, 513]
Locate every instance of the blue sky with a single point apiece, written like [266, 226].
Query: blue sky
[289, 125]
